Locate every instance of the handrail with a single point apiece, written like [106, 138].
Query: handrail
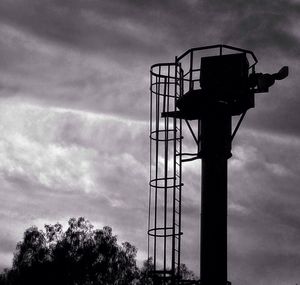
[178, 58]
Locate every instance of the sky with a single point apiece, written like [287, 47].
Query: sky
[74, 110]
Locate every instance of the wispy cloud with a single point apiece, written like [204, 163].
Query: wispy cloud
[56, 153]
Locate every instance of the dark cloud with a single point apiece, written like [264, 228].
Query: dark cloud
[263, 209]
[262, 25]
[92, 25]
[125, 26]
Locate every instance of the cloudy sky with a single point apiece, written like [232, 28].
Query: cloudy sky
[74, 105]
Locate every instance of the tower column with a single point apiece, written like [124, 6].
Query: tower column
[215, 149]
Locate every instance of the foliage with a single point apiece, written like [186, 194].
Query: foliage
[80, 255]
[187, 274]
[145, 273]
[146, 277]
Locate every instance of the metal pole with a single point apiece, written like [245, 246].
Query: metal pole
[215, 149]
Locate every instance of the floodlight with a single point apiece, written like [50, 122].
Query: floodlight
[262, 81]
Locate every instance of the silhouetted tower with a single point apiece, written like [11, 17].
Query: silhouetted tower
[203, 88]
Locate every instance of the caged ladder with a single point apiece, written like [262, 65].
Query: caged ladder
[164, 222]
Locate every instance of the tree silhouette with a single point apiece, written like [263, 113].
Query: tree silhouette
[80, 255]
[148, 267]
[145, 273]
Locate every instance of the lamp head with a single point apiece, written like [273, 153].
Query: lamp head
[282, 73]
[262, 81]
